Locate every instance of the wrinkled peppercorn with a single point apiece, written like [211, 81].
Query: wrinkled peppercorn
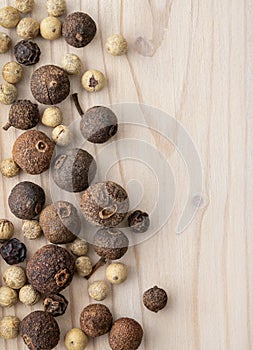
[126, 334]
[27, 52]
[138, 221]
[74, 170]
[155, 299]
[13, 251]
[78, 29]
[96, 320]
[110, 243]
[26, 200]
[55, 304]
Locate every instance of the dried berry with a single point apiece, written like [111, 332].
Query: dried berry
[155, 299]
[8, 93]
[8, 296]
[50, 28]
[9, 168]
[96, 320]
[12, 72]
[31, 229]
[28, 28]
[5, 42]
[40, 330]
[24, 6]
[55, 304]
[52, 117]
[13, 251]
[116, 273]
[60, 222]
[75, 339]
[9, 327]
[98, 290]
[62, 135]
[79, 247]
[50, 85]
[28, 295]
[32, 151]
[6, 230]
[126, 334]
[27, 52]
[9, 17]
[78, 29]
[83, 266]
[51, 269]
[71, 63]
[26, 200]
[93, 80]
[116, 45]
[110, 243]
[105, 204]
[56, 8]
[74, 170]
[14, 277]
[138, 221]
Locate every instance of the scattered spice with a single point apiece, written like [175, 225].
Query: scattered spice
[13, 251]
[75, 339]
[116, 45]
[14, 277]
[9, 168]
[71, 63]
[8, 296]
[116, 273]
[9, 327]
[98, 290]
[28, 295]
[83, 266]
[27, 52]
[6, 230]
[138, 221]
[9, 17]
[93, 80]
[110, 243]
[155, 299]
[24, 6]
[62, 135]
[8, 93]
[31, 229]
[5, 42]
[126, 333]
[12, 72]
[28, 28]
[79, 247]
[56, 8]
[50, 28]
[55, 304]
[96, 320]
[52, 117]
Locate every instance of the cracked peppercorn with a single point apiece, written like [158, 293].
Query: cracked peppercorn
[13, 251]
[55, 304]
[138, 221]
[27, 52]
[155, 299]
[96, 320]
[93, 80]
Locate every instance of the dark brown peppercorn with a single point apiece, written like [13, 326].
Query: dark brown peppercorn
[13, 251]
[23, 115]
[32, 151]
[51, 269]
[126, 334]
[55, 304]
[110, 243]
[74, 170]
[139, 221]
[96, 320]
[60, 222]
[50, 85]
[105, 204]
[27, 52]
[155, 299]
[78, 29]
[26, 200]
[40, 331]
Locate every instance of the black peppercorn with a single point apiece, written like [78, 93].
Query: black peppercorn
[78, 29]
[26, 200]
[23, 115]
[96, 320]
[74, 170]
[27, 52]
[155, 299]
[138, 221]
[13, 251]
[55, 304]
[50, 84]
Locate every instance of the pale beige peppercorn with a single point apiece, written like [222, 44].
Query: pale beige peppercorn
[50, 28]
[52, 117]
[98, 290]
[93, 80]
[8, 296]
[79, 247]
[56, 8]
[9, 327]
[71, 63]
[28, 295]
[14, 277]
[116, 45]
[6, 230]
[116, 273]
[28, 28]
[24, 6]
[8, 93]
[61, 135]
[5, 42]
[31, 229]
[9, 168]
[12, 72]
[75, 339]
[9, 17]
[83, 266]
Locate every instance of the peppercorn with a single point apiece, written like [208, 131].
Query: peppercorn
[23, 115]
[74, 170]
[12, 72]
[116, 273]
[9, 168]
[155, 299]
[26, 200]
[9, 327]
[79, 247]
[61, 135]
[9, 17]
[51, 269]
[78, 29]
[126, 334]
[93, 80]
[110, 243]
[52, 117]
[32, 151]
[40, 330]
[13, 251]
[60, 222]
[28, 295]
[14, 277]
[28, 28]
[8, 296]
[71, 63]
[50, 28]
[56, 8]
[138, 221]
[24, 6]
[55, 304]
[75, 339]
[96, 320]
[27, 52]
[104, 204]
[116, 45]
[98, 290]
[6, 230]
[31, 229]
[8, 93]
[83, 266]
[5, 42]
[50, 84]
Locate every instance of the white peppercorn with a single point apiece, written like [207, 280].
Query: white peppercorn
[14, 277]
[116, 273]
[75, 339]
[28, 295]
[9, 17]
[61, 135]
[98, 290]
[50, 28]
[12, 72]
[71, 63]
[83, 266]
[8, 296]
[9, 168]
[28, 28]
[116, 45]
[93, 80]
[5, 42]
[6, 230]
[8, 93]
[31, 229]
[56, 8]
[9, 327]
[79, 247]
[52, 117]
[24, 6]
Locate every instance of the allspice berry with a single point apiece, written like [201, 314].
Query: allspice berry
[8, 296]
[93, 80]
[26, 200]
[12, 72]
[155, 299]
[9, 168]
[116, 45]
[126, 334]
[55, 304]
[31, 229]
[98, 290]
[71, 63]
[83, 266]
[6, 230]
[110, 243]
[9, 327]
[79, 247]
[105, 204]
[50, 84]
[27, 52]
[51, 269]
[52, 117]
[60, 222]
[14, 277]
[40, 330]
[5, 42]
[116, 273]
[8, 93]
[78, 29]
[62, 135]
[74, 170]
[96, 320]
[50, 28]
[32, 151]
[56, 8]
[75, 339]
[28, 28]
[9, 17]
[28, 295]
[24, 6]
[138, 221]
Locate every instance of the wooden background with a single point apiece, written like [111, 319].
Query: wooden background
[198, 68]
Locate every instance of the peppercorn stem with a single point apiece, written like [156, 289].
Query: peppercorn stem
[77, 104]
[7, 126]
[101, 262]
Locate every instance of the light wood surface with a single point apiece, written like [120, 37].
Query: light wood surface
[197, 68]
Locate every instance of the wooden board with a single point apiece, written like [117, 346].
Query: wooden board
[197, 67]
